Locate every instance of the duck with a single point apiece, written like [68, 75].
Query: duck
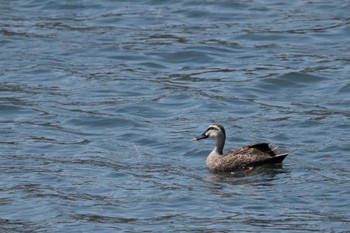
[246, 157]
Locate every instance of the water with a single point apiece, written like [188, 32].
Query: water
[99, 102]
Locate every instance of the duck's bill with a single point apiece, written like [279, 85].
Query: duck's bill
[203, 136]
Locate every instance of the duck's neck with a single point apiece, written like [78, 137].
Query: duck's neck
[219, 146]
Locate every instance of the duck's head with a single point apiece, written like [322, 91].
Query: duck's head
[213, 130]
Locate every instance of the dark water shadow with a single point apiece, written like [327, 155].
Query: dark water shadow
[292, 80]
[259, 176]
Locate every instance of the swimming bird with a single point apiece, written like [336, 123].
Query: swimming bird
[245, 157]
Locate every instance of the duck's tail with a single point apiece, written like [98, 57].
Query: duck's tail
[278, 158]
[275, 159]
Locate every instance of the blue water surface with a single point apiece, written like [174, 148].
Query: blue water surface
[99, 101]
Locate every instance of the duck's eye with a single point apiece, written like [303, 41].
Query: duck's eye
[212, 128]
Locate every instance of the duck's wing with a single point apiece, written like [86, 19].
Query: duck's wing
[251, 156]
[264, 148]
[276, 159]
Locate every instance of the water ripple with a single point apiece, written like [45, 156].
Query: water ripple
[99, 102]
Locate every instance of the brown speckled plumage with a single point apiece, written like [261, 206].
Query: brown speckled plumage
[241, 158]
